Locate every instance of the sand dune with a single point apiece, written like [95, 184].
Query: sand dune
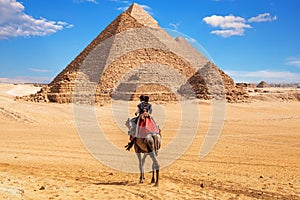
[42, 156]
[23, 89]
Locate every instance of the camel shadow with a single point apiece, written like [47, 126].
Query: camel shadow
[116, 183]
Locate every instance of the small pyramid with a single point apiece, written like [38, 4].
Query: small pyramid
[134, 56]
[263, 84]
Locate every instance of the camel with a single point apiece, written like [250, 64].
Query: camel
[146, 141]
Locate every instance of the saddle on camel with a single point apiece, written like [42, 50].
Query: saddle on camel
[145, 136]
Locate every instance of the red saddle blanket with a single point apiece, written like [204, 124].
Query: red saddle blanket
[148, 125]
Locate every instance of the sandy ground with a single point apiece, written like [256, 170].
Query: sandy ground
[42, 156]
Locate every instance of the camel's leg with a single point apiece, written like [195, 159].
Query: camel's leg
[150, 142]
[143, 163]
[141, 166]
[144, 158]
[153, 173]
[157, 177]
[155, 167]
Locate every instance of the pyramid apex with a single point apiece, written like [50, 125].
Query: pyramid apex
[134, 7]
[142, 16]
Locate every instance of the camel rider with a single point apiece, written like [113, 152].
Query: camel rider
[144, 106]
[143, 110]
[134, 120]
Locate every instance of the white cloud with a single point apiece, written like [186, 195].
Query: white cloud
[123, 8]
[229, 25]
[265, 75]
[91, 1]
[26, 79]
[225, 22]
[39, 70]
[293, 61]
[174, 25]
[234, 25]
[121, 2]
[15, 23]
[228, 32]
[265, 17]
[65, 24]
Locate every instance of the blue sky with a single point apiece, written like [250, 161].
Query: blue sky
[251, 40]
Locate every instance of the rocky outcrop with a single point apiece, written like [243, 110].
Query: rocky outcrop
[40, 96]
[234, 93]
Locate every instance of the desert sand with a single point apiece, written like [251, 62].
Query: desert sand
[42, 156]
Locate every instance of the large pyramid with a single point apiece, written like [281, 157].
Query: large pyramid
[133, 55]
